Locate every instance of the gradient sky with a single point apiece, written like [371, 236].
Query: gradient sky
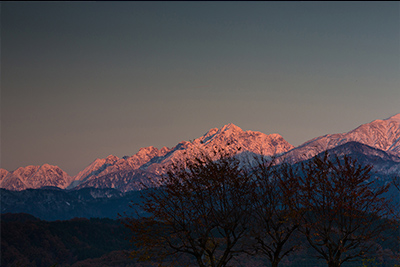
[83, 80]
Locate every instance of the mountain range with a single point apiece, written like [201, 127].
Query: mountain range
[376, 143]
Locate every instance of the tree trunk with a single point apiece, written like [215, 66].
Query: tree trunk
[333, 264]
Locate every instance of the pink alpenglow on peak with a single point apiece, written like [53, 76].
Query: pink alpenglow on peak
[113, 165]
[111, 158]
[149, 163]
[35, 177]
[231, 128]
[3, 174]
[231, 135]
[152, 162]
[380, 134]
[394, 118]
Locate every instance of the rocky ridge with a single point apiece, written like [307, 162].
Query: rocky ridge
[379, 142]
[34, 177]
[129, 173]
[380, 134]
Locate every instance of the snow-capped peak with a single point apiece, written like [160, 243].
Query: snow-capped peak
[147, 150]
[380, 134]
[35, 177]
[230, 128]
[111, 159]
[394, 118]
[149, 162]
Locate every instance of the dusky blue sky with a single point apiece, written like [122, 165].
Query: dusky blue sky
[83, 80]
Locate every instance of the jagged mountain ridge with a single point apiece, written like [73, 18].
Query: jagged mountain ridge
[380, 134]
[383, 135]
[34, 177]
[57, 204]
[128, 173]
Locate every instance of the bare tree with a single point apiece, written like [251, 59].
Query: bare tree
[275, 219]
[201, 210]
[344, 209]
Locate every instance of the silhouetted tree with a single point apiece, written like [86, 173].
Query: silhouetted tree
[201, 210]
[343, 208]
[275, 217]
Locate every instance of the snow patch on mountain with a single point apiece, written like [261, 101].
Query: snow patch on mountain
[380, 134]
[3, 173]
[146, 166]
[394, 118]
[150, 162]
[35, 177]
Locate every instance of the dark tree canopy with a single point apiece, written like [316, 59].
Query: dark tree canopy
[210, 209]
[343, 208]
[276, 221]
[202, 210]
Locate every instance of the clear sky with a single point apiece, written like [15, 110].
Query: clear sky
[83, 80]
